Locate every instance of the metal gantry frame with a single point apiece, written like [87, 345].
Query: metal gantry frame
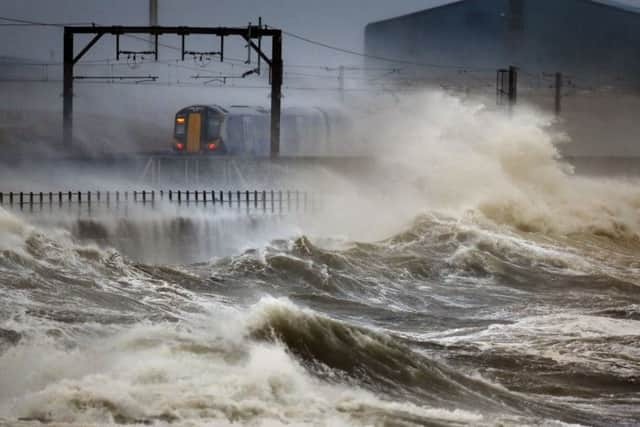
[250, 33]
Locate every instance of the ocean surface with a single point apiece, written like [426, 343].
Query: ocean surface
[500, 290]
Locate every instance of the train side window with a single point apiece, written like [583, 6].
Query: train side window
[319, 134]
[235, 130]
[249, 134]
[305, 145]
[288, 134]
[264, 137]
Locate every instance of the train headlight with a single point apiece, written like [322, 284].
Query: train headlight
[180, 120]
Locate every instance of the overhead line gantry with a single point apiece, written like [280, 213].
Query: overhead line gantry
[249, 34]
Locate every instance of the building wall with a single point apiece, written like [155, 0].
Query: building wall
[459, 33]
[595, 42]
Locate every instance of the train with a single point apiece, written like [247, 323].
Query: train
[242, 130]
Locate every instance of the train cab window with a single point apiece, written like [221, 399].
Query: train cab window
[213, 127]
[180, 126]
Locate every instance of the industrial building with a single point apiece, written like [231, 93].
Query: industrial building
[594, 44]
[598, 42]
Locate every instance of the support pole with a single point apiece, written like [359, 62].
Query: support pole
[67, 90]
[513, 87]
[153, 13]
[153, 22]
[558, 87]
[276, 92]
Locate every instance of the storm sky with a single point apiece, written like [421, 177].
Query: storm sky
[337, 22]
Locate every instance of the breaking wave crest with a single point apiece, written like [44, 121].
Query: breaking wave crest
[460, 157]
[194, 373]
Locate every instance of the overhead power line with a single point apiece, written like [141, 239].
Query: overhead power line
[25, 22]
[382, 58]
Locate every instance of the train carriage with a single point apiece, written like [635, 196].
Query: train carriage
[245, 131]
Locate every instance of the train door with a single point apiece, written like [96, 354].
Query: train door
[193, 132]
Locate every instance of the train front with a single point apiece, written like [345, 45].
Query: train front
[197, 130]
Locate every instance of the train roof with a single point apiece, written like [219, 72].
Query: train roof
[232, 109]
[246, 110]
[253, 110]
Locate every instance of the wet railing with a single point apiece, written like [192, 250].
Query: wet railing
[267, 201]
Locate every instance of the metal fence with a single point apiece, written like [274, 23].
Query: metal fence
[255, 201]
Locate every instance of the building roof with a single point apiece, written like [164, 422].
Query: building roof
[610, 3]
[619, 5]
